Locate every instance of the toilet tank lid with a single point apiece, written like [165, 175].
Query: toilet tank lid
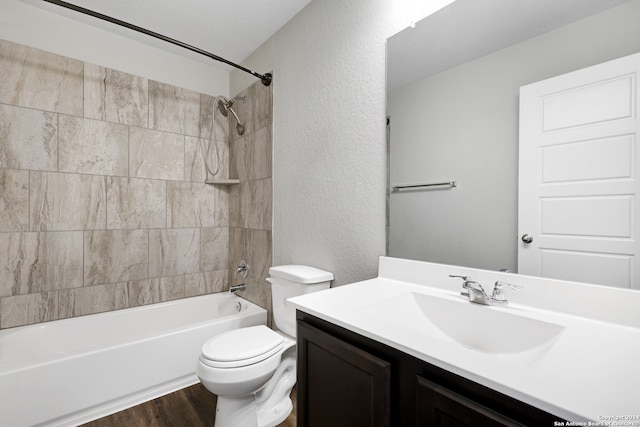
[300, 273]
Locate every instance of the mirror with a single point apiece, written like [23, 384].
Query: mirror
[452, 98]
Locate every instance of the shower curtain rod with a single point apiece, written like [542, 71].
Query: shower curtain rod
[265, 78]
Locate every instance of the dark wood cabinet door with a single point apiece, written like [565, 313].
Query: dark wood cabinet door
[339, 384]
[438, 406]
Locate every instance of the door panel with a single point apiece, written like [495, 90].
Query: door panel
[437, 406]
[599, 101]
[613, 269]
[586, 157]
[602, 216]
[578, 186]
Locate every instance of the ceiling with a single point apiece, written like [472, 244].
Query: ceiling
[232, 29]
[469, 29]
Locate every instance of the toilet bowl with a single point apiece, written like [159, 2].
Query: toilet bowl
[252, 370]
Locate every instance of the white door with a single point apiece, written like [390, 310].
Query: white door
[578, 183]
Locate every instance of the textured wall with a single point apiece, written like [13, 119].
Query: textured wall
[102, 197]
[329, 174]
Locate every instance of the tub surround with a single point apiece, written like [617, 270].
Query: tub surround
[589, 371]
[103, 203]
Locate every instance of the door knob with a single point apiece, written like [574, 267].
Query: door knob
[527, 238]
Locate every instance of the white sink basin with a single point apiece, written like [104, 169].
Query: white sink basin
[478, 327]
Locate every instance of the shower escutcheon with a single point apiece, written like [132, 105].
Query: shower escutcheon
[243, 269]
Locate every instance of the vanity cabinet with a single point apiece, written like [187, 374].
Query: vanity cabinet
[346, 379]
[344, 385]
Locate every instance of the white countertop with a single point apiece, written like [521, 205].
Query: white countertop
[590, 372]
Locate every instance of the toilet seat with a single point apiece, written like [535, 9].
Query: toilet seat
[241, 347]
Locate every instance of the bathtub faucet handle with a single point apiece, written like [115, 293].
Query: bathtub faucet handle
[243, 269]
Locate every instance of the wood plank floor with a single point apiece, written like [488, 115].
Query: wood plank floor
[190, 407]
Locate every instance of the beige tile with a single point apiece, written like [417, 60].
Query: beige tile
[171, 288]
[258, 291]
[93, 147]
[61, 201]
[28, 139]
[14, 200]
[191, 205]
[222, 198]
[115, 256]
[255, 247]
[156, 290]
[140, 293]
[214, 254]
[237, 246]
[258, 250]
[37, 79]
[28, 309]
[156, 155]
[115, 96]
[37, 262]
[90, 299]
[251, 156]
[240, 157]
[235, 212]
[136, 203]
[208, 282]
[262, 105]
[196, 151]
[251, 204]
[260, 165]
[173, 109]
[174, 251]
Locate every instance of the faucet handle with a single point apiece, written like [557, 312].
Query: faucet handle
[465, 279]
[501, 284]
[498, 290]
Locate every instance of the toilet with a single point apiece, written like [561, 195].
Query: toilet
[252, 370]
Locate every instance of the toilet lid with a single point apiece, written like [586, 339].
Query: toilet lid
[243, 346]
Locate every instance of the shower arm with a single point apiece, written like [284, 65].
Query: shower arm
[265, 78]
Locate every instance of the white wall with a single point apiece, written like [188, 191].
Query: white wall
[329, 132]
[32, 26]
[463, 124]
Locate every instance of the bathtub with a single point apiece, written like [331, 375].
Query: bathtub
[68, 372]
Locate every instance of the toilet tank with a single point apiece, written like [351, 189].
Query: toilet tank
[289, 281]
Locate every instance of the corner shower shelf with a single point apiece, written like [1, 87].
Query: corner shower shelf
[229, 181]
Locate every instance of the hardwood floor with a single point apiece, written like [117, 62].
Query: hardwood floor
[190, 407]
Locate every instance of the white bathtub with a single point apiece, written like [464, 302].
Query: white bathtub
[72, 371]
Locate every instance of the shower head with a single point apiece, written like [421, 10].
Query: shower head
[224, 106]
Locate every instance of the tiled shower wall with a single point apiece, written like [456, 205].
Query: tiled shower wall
[103, 204]
[250, 216]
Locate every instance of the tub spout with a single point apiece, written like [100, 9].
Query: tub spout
[236, 288]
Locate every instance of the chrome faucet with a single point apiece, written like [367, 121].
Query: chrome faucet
[476, 293]
[236, 288]
[242, 270]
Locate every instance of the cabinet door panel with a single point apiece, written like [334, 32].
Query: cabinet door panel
[438, 406]
[339, 384]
